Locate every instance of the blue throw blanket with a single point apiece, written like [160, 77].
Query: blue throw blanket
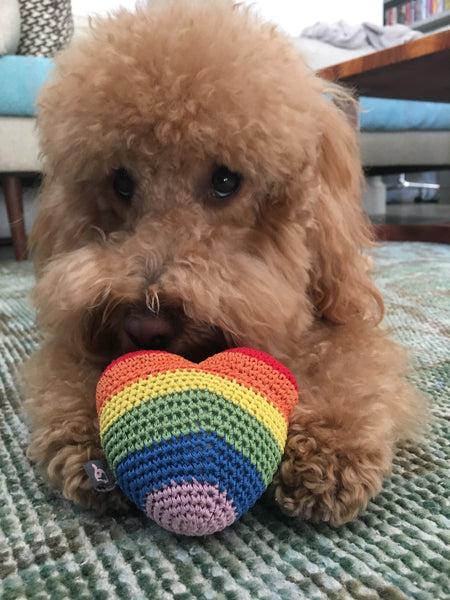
[378, 114]
[21, 78]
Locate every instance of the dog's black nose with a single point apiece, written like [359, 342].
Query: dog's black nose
[149, 331]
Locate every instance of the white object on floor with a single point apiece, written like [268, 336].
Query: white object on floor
[374, 196]
[9, 26]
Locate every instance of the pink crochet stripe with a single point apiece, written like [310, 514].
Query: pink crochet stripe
[192, 508]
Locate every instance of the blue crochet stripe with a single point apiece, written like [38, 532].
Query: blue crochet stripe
[200, 456]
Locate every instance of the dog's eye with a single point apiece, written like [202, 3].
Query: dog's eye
[123, 184]
[225, 182]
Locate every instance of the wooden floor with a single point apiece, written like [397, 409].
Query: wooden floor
[439, 234]
[419, 222]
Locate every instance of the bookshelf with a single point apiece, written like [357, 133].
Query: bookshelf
[423, 15]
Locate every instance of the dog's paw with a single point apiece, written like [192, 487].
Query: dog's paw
[322, 480]
[65, 471]
[84, 495]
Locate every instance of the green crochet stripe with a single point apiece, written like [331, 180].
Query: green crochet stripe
[175, 413]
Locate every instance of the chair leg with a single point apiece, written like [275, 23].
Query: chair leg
[12, 186]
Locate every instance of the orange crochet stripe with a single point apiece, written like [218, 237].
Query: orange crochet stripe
[257, 373]
[130, 367]
[252, 369]
[264, 357]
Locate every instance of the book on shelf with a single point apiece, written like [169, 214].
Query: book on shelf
[408, 13]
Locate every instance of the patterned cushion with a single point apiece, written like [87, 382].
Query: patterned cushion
[46, 26]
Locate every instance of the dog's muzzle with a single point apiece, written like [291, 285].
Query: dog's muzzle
[150, 331]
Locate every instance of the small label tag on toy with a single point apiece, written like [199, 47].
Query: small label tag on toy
[100, 474]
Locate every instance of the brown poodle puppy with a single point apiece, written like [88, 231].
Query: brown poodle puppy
[202, 191]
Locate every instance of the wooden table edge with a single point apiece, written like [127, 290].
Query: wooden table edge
[428, 44]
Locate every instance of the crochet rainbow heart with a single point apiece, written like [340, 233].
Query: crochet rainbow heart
[195, 445]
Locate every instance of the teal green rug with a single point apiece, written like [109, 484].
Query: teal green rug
[398, 548]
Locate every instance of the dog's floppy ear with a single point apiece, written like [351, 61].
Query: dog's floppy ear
[58, 226]
[340, 286]
[44, 234]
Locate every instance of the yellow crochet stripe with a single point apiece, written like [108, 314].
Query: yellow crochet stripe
[154, 386]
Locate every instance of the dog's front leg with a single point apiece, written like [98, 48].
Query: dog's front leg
[60, 404]
[355, 404]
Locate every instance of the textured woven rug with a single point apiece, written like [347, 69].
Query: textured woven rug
[398, 548]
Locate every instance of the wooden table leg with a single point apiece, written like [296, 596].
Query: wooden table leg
[12, 186]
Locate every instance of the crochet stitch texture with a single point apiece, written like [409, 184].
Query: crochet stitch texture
[195, 445]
